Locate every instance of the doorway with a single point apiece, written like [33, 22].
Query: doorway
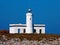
[34, 30]
[18, 31]
[40, 31]
[24, 30]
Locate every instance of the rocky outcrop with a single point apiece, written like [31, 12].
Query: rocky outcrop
[17, 41]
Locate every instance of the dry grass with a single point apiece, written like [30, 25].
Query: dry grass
[28, 36]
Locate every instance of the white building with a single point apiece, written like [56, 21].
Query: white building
[28, 27]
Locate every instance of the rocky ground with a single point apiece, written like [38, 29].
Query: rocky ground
[17, 41]
[28, 39]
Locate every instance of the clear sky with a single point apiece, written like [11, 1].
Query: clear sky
[44, 11]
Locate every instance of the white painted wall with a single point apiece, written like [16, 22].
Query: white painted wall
[29, 23]
[14, 30]
[38, 30]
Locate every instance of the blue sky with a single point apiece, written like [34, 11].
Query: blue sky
[44, 11]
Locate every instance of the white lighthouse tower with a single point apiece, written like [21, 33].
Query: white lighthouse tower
[29, 28]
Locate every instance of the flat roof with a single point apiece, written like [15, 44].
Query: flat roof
[24, 25]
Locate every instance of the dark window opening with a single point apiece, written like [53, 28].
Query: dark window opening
[34, 30]
[40, 31]
[24, 30]
[30, 18]
[18, 30]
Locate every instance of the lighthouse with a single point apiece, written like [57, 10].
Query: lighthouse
[29, 28]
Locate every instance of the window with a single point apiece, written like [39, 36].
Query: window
[30, 18]
[40, 31]
[24, 30]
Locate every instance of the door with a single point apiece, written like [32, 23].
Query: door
[40, 31]
[24, 30]
[18, 31]
[34, 30]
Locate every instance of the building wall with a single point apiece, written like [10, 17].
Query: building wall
[40, 30]
[14, 30]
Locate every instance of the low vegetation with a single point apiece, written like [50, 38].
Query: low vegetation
[28, 36]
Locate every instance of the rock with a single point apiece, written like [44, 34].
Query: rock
[17, 41]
